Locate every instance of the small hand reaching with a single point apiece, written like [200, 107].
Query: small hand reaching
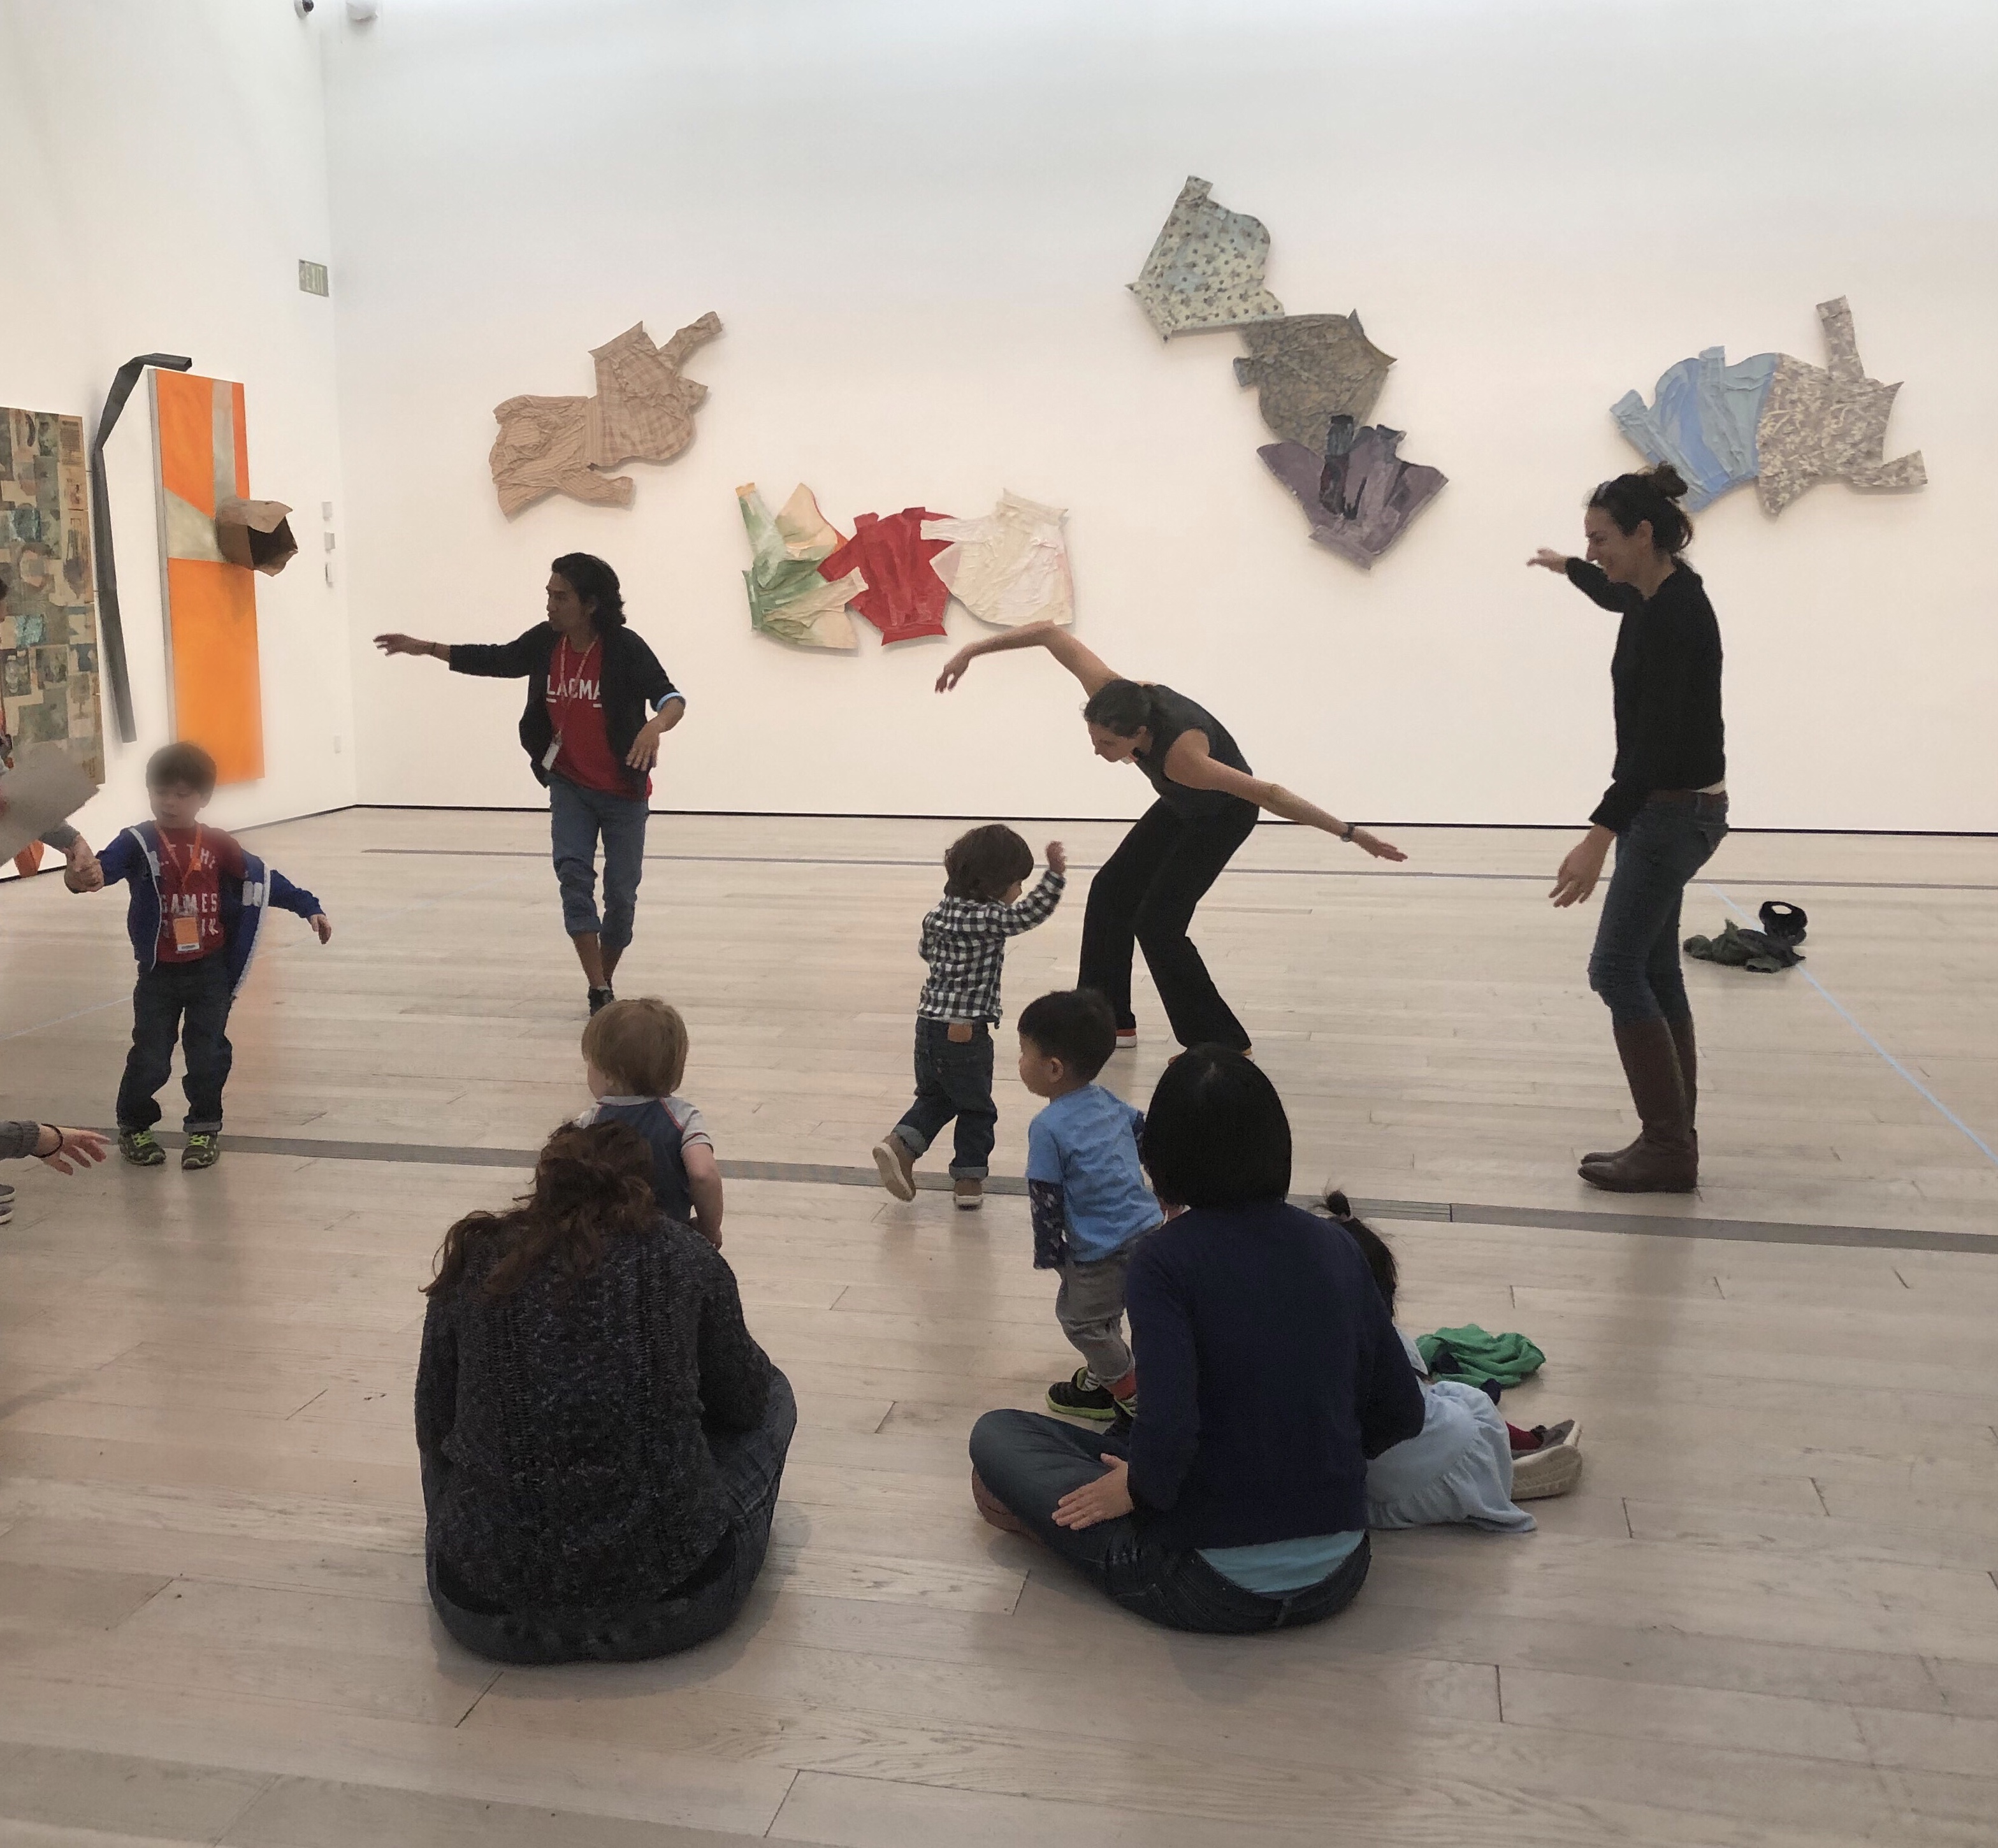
[323, 925]
[1057, 858]
[1549, 560]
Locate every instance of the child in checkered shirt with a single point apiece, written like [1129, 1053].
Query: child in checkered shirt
[964, 942]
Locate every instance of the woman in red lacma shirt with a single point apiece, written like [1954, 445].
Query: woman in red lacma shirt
[598, 703]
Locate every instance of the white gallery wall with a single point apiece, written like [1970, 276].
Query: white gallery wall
[166, 172]
[916, 222]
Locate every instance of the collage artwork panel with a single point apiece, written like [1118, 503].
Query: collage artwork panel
[48, 616]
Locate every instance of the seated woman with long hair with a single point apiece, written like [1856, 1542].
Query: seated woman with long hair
[602, 1441]
[1268, 1373]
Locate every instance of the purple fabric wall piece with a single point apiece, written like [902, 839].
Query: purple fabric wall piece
[1359, 496]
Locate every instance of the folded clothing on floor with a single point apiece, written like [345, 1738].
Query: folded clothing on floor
[1469, 1354]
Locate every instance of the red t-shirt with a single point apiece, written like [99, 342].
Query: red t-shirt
[193, 863]
[576, 708]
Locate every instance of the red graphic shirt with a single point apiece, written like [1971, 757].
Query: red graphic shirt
[905, 596]
[575, 708]
[193, 863]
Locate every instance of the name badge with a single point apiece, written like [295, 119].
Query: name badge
[187, 934]
[553, 751]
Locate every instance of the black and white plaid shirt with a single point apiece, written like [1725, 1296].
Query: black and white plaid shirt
[964, 943]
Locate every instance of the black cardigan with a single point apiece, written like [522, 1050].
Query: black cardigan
[633, 680]
[1271, 1373]
[1665, 679]
[563, 1428]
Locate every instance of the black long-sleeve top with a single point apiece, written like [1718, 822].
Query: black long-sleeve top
[1665, 675]
[633, 680]
[1271, 1373]
[563, 1427]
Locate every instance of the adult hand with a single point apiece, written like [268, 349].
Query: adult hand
[1371, 843]
[323, 925]
[1057, 857]
[953, 669]
[1105, 1499]
[66, 1150]
[1581, 869]
[402, 644]
[82, 873]
[645, 751]
[1550, 561]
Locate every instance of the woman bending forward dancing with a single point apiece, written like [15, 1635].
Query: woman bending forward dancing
[1148, 890]
[1666, 809]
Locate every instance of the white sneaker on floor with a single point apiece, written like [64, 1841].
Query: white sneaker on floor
[1554, 1468]
[1127, 1037]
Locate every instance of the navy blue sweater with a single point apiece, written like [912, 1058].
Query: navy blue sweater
[1268, 1373]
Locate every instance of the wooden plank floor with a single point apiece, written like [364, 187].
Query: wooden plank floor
[1768, 1615]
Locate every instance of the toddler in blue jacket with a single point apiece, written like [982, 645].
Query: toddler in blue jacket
[197, 907]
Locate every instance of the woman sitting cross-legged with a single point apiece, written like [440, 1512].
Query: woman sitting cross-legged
[1269, 1373]
[601, 1439]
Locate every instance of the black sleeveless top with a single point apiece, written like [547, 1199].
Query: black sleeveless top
[1173, 713]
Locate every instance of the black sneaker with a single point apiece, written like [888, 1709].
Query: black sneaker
[600, 998]
[203, 1149]
[1076, 1398]
[141, 1149]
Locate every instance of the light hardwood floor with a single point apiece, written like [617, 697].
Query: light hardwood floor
[1768, 1615]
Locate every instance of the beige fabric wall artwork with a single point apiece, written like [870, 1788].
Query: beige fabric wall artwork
[643, 411]
[1205, 269]
[1009, 567]
[49, 697]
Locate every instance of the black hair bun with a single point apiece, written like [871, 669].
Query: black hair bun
[1668, 480]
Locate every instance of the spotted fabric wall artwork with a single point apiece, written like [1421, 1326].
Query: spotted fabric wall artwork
[643, 411]
[1782, 422]
[1308, 369]
[1205, 270]
[49, 698]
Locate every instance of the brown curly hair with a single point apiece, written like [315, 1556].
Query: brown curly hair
[591, 1185]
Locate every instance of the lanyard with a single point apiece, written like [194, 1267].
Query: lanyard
[182, 873]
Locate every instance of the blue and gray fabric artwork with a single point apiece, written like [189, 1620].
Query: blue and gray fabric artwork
[1703, 421]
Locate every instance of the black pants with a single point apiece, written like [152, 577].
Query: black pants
[752, 1463]
[1146, 893]
[189, 1002]
[1030, 1461]
[953, 1079]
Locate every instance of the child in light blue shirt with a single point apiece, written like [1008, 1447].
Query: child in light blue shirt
[1087, 1191]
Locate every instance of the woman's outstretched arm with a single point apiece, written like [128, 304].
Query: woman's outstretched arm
[1086, 667]
[1189, 763]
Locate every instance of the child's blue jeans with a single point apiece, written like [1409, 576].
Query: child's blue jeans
[953, 1079]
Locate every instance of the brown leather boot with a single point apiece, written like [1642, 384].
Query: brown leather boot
[1688, 1048]
[1663, 1159]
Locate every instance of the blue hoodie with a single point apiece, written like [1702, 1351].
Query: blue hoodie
[134, 855]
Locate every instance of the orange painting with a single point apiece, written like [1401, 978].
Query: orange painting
[203, 458]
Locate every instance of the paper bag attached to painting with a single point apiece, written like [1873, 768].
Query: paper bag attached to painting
[48, 612]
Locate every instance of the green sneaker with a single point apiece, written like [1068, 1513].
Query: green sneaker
[139, 1147]
[203, 1149]
[1074, 1398]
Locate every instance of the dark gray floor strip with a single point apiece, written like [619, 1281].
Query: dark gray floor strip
[1757, 1232]
[1302, 872]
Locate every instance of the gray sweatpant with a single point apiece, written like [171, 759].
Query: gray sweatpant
[1090, 1306]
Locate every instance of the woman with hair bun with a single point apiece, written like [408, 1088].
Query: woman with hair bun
[1666, 810]
[1146, 893]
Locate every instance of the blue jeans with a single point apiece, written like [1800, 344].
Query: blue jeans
[576, 817]
[1030, 1461]
[752, 1463]
[1635, 964]
[953, 1079]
